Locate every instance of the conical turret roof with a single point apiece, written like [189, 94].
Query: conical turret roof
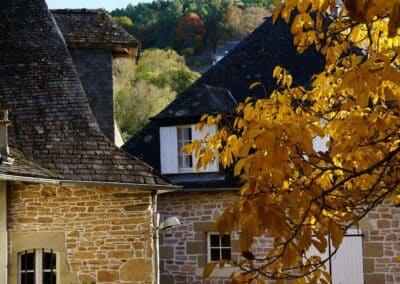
[52, 123]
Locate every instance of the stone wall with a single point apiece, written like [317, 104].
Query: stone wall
[94, 68]
[184, 250]
[106, 231]
[381, 245]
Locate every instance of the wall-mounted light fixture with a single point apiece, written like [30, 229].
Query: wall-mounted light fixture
[169, 223]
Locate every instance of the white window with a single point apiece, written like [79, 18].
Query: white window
[185, 161]
[172, 138]
[346, 266]
[219, 248]
[37, 266]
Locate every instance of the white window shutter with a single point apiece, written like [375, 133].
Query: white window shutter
[169, 150]
[347, 263]
[346, 266]
[314, 251]
[199, 135]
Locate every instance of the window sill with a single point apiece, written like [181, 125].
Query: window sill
[186, 171]
[225, 272]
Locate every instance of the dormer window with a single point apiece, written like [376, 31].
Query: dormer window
[172, 139]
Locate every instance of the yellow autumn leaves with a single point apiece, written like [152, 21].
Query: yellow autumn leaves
[362, 11]
[290, 190]
[370, 10]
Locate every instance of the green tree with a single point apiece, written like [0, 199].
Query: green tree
[144, 89]
[124, 21]
[266, 4]
[138, 101]
[165, 68]
[251, 18]
[239, 22]
[155, 22]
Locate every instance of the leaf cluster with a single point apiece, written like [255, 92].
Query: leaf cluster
[292, 190]
[124, 21]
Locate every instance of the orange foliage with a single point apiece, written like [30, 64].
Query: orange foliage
[291, 191]
[190, 22]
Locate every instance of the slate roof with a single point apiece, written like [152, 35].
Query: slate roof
[51, 121]
[17, 165]
[89, 28]
[225, 48]
[253, 59]
[215, 99]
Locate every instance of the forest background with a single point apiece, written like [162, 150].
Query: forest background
[178, 39]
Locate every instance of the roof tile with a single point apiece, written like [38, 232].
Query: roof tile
[227, 82]
[52, 123]
[89, 28]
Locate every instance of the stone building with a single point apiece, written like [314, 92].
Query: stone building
[368, 253]
[74, 207]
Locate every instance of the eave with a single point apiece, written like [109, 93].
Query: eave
[131, 52]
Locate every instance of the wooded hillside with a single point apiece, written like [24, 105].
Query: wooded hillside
[192, 28]
[192, 24]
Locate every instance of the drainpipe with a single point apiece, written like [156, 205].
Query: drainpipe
[156, 240]
[4, 122]
[169, 223]
[4, 151]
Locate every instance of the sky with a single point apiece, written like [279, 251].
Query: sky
[109, 5]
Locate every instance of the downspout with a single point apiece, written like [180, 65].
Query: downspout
[4, 159]
[156, 240]
[169, 223]
[3, 233]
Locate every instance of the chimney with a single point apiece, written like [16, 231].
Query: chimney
[4, 122]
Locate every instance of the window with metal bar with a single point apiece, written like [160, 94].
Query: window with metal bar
[38, 266]
[27, 267]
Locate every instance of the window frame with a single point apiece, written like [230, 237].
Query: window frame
[38, 269]
[169, 150]
[220, 247]
[180, 144]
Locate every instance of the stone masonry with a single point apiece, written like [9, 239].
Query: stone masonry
[381, 245]
[94, 68]
[184, 250]
[106, 230]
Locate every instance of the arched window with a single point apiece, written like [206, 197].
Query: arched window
[38, 266]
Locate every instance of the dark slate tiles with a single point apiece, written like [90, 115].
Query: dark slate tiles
[18, 165]
[52, 123]
[227, 82]
[253, 59]
[87, 28]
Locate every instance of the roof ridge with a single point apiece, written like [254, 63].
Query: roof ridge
[78, 10]
[92, 28]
